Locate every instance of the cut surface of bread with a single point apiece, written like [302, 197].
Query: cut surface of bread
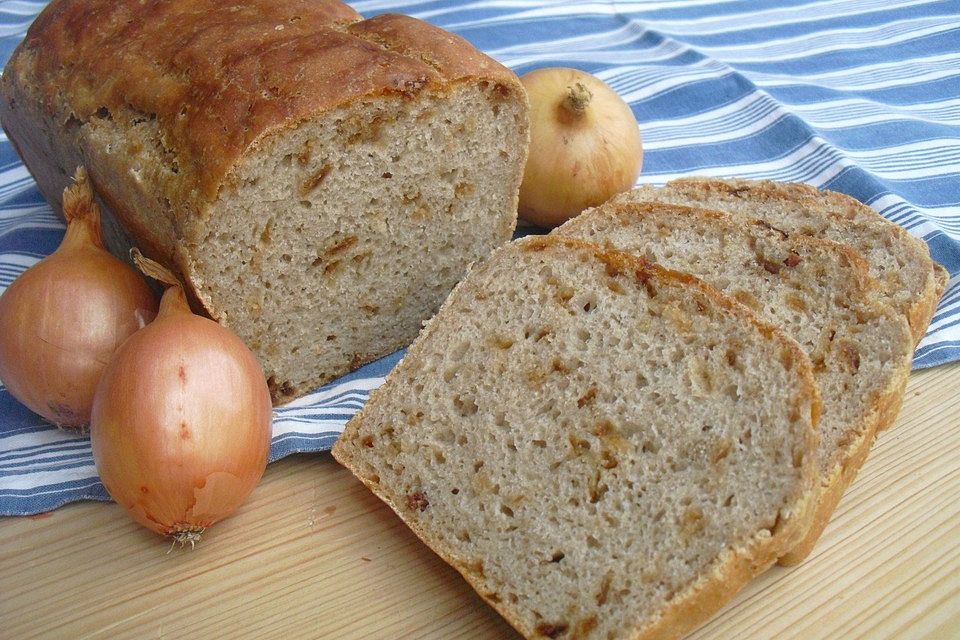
[319, 181]
[320, 278]
[817, 291]
[549, 435]
[899, 262]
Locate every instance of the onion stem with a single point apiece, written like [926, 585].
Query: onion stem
[81, 212]
[175, 297]
[153, 269]
[577, 99]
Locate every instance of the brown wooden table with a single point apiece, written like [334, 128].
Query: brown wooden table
[314, 555]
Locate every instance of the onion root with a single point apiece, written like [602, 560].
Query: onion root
[190, 535]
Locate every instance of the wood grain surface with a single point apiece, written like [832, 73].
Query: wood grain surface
[314, 555]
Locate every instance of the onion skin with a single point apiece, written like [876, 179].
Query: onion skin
[63, 318]
[181, 422]
[583, 151]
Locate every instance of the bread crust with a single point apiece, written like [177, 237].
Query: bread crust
[214, 98]
[217, 81]
[732, 569]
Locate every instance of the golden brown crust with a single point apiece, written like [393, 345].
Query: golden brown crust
[734, 568]
[448, 54]
[217, 80]
[214, 78]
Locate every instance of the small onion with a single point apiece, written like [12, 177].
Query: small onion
[63, 318]
[584, 145]
[181, 420]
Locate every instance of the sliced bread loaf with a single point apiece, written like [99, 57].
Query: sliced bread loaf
[909, 279]
[816, 290]
[319, 181]
[549, 435]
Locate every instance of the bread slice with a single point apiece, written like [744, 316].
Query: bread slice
[816, 290]
[550, 435]
[909, 279]
[319, 181]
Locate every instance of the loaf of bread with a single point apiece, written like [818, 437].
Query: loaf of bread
[901, 264]
[818, 291]
[319, 181]
[549, 434]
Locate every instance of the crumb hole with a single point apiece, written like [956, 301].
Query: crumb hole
[466, 406]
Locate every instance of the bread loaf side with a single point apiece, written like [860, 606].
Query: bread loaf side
[319, 181]
[549, 435]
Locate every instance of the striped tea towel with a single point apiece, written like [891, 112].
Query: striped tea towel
[859, 96]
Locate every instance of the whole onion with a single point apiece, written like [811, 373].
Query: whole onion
[584, 145]
[63, 318]
[181, 420]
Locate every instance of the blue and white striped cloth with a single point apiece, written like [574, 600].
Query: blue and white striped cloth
[859, 96]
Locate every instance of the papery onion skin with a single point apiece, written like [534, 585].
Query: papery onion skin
[63, 318]
[181, 422]
[579, 158]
